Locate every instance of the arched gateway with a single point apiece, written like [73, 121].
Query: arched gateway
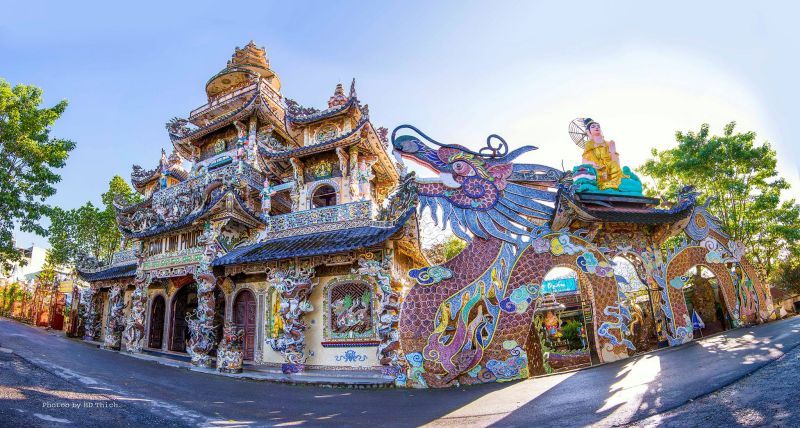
[484, 316]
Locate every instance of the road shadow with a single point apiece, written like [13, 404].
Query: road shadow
[632, 390]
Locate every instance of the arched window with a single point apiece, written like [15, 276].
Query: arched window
[349, 311]
[323, 196]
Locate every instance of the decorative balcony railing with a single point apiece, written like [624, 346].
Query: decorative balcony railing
[222, 100]
[225, 173]
[174, 258]
[261, 86]
[361, 210]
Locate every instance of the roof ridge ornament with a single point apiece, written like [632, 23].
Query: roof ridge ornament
[338, 97]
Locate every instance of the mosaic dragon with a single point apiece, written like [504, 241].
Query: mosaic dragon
[468, 320]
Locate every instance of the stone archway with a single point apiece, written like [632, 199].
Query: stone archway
[183, 303]
[562, 331]
[484, 303]
[703, 296]
[676, 279]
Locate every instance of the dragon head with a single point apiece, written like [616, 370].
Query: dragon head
[455, 164]
[474, 189]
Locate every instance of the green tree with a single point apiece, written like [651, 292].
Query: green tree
[10, 294]
[89, 229]
[119, 189]
[47, 275]
[28, 159]
[787, 275]
[446, 250]
[742, 178]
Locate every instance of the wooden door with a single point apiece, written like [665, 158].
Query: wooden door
[157, 314]
[179, 325]
[57, 311]
[244, 316]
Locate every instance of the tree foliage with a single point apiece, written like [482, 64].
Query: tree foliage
[787, 275]
[446, 250]
[10, 294]
[90, 229]
[28, 159]
[741, 176]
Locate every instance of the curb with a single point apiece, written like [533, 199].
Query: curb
[321, 380]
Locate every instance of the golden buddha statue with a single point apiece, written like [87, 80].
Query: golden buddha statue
[602, 155]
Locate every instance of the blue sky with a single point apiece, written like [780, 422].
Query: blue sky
[458, 70]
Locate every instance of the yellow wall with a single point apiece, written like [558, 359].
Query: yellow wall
[318, 355]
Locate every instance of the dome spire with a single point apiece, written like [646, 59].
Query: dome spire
[246, 65]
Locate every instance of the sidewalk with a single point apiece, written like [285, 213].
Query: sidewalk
[332, 378]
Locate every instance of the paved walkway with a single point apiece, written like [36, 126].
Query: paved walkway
[613, 394]
[338, 378]
[767, 397]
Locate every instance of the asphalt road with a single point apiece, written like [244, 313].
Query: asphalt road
[767, 397]
[130, 391]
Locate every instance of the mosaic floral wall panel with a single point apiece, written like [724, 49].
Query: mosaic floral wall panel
[350, 314]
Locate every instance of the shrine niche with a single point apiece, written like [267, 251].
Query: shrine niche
[350, 311]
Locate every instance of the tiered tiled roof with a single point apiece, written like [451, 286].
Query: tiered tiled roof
[315, 244]
[112, 272]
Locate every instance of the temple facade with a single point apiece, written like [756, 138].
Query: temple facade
[280, 235]
[272, 234]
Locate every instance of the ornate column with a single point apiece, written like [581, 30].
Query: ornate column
[202, 333]
[389, 313]
[89, 302]
[295, 288]
[298, 171]
[116, 318]
[134, 330]
[252, 139]
[353, 176]
[258, 352]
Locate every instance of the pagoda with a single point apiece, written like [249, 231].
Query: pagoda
[277, 223]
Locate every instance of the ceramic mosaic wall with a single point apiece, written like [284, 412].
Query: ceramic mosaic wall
[470, 320]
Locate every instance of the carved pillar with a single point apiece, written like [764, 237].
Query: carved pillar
[135, 328]
[116, 318]
[241, 144]
[166, 332]
[298, 172]
[353, 176]
[201, 322]
[253, 145]
[389, 352]
[91, 318]
[202, 333]
[295, 288]
[258, 353]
